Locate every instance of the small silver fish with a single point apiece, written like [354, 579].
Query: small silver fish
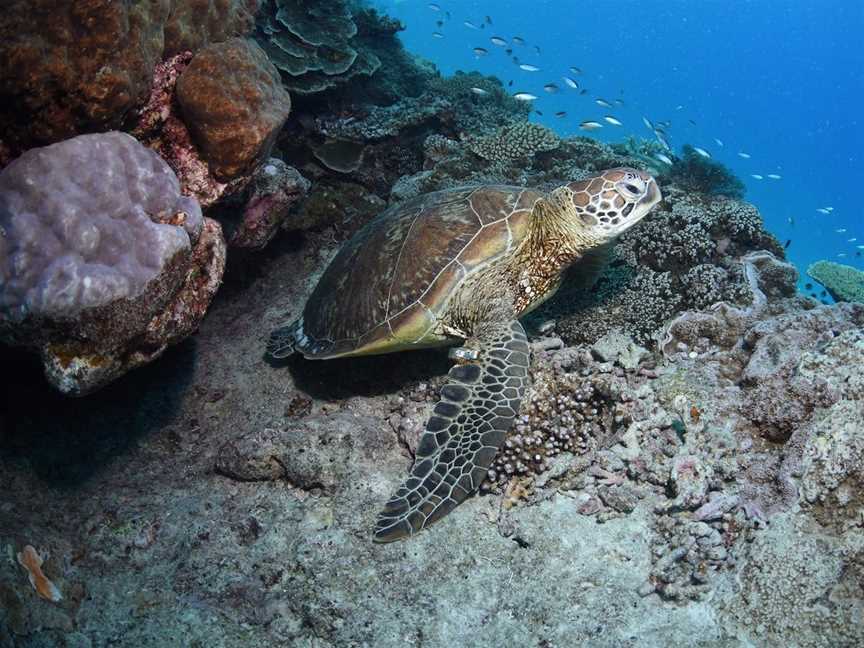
[830, 209]
[571, 83]
[529, 68]
[434, 7]
[852, 240]
[590, 125]
[551, 88]
[840, 230]
[702, 152]
[470, 25]
[860, 247]
[648, 123]
[437, 35]
[774, 176]
[479, 91]
[561, 113]
[517, 41]
[480, 51]
[719, 142]
[822, 210]
[744, 155]
[757, 176]
[603, 102]
[497, 40]
[524, 96]
[575, 70]
[613, 120]
[841, 255]
[663, 158]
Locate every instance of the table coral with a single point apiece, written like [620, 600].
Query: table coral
[311, 43]
[101, 282]
[843, 282]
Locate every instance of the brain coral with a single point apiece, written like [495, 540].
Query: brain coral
[99, 253]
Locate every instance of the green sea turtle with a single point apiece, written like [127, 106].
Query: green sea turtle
[460, 265]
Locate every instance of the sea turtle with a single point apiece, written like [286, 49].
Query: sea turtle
[460, 265]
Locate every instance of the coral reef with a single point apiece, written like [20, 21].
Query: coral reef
[311, 43]
[514, 142]
[843, 283]
[695, 172]
[85, 66]
[100, 282]
[160, 127]
[234, 105]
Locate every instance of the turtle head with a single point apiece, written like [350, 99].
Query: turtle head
[613, 201]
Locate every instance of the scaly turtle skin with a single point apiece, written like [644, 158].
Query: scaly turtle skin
[461, 265]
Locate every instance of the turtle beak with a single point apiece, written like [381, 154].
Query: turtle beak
[652, 195]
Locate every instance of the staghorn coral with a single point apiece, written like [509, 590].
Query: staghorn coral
[695, 172]
[311, 43]
[843, 282]
[513, 142]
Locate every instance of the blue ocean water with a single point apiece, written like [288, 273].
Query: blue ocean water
[780, 80]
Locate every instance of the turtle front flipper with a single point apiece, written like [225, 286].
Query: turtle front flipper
[478, 406]
[282, 340]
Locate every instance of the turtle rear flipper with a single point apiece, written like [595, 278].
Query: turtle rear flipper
[478, 406]
[282, 341]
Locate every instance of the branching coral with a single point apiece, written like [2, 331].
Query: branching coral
[843, 283]
[381, 122]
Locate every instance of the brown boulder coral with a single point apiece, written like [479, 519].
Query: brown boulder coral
[234, 104]
[74, 67]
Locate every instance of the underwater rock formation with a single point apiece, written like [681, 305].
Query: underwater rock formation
[84, 66]
[104, 262]
[267, 199]
[234, 105]
[843, 282]
[513, 142]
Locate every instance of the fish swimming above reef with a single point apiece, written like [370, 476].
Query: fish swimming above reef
[702, 152]
[524, 96]
[744, 155]
[461, 267]
[480, 51]
[590, 125]
[613, 120]
[602, 103]
[551, 88]
[570, 83]
[497, 40]
[529, 68]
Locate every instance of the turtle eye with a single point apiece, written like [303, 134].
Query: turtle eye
[631, 188]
